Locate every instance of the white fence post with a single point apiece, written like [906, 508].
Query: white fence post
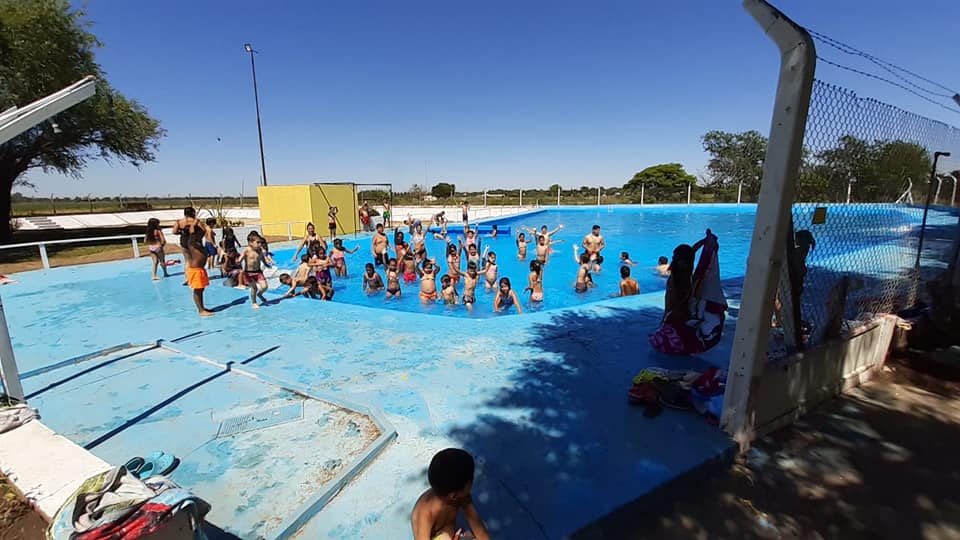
[8, 363]
[768, 246]
[289, 231]
[558, 196]
[136, 248]
[642, 189]
[521, 198]
[689, 187]
[43, 255]
[598, 195]
[739, 191]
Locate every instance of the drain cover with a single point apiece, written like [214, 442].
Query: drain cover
[261, 419]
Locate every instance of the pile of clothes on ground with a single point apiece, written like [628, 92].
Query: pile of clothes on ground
[116, 505]
[655, 388]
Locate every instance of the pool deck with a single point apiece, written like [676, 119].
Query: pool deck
[539, 399]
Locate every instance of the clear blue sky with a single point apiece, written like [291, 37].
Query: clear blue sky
[488, 94]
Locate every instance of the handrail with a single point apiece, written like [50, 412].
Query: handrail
[72, 241]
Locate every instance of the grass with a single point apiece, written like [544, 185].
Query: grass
[46, 207]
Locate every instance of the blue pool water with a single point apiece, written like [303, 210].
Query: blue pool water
[645, 233]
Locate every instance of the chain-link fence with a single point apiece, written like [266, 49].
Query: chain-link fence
[863, 184]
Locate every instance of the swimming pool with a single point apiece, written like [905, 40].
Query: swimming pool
[645, 233]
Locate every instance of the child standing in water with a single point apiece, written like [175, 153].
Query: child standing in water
[625, 259]
[338, 254]
[628, 285]
[453, 262]
[543, 249]
[535, 280]
[332, 221]
[434, 517]
[470, 286]
[409, 268]
[490, 271]
[393, 279]
[449, 291]
[371, 279]
[253, 263]
[428, 281]
[155, 243]
[506, 297]
[584, 280]
[521, 247]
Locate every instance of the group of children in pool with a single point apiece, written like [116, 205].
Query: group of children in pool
[243, 268]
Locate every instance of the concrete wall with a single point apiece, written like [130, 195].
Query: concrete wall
[282, 204]
[344, 197]
[789, 388]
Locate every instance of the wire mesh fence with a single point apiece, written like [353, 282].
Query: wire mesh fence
[852, 252]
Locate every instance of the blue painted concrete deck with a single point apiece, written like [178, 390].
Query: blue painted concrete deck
[539, 399]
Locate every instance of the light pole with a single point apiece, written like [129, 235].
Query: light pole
[850, 184]
[936, 196]
[926, 207]
[256, 99]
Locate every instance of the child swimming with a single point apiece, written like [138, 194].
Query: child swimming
[628, 285]
[490, 271]
[625, 259]
[338, 254]
[448, 292]
[253, 262]
[393, 279]
[521, 247]
[371, 279]
[428, 281]
[434, 516]
[506, 297]
[663, 267]
[470, 286]
[535, 282]
[155, 241]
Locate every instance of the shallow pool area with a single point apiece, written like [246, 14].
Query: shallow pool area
[124, 366]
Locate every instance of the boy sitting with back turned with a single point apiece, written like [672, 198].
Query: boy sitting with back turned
[434, 516]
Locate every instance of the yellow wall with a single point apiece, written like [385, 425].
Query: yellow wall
[299, 204]
[344, 197]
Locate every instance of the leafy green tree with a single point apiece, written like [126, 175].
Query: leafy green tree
[660, 179]
[443, 190]
[879, 171]
[735, 158]
[46, 46]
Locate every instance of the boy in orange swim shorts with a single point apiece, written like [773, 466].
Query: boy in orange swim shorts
[196, 273]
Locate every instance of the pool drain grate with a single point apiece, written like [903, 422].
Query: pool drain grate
[261, 419]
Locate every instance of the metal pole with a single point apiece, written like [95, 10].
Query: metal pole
[768, 246]
[43, 256]
[521, 198]
[558, 195]
[136, 248]
[642, 189]
[484, 198]
[8, 362]
[849, 189]
[689, 187]
[926, 206]
[598, 195]
[739, 191]
[256, 100]
[936, 196]
[953, 195]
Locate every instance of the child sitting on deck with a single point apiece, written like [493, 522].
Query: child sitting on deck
[434, 517]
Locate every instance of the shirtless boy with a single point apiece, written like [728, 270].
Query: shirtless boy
[434, 517]
[593, 244]
[663, 267]
[380, 247]
[184, 227]
[428, 281]
[253, 263]
[543, 250]
[584, 280]
[393, 279]
[470, 285]
[448, 292]
[628, 285]
[196, 271]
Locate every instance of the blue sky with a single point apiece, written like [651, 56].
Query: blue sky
[487, 94]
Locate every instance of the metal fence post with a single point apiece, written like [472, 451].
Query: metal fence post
[289, 231]
[768, 247]
[43, 255]
[8, 363]
[136, 248]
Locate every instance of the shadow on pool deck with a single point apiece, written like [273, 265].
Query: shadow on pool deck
[574, 449]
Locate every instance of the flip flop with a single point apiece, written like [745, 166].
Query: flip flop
[134, 465]
[157, 463]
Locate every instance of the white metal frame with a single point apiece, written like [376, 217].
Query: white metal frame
[768, 247]
[13, 122]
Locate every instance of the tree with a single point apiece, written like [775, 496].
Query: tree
[670, 177]
[443, 190]
[735, 158]
[417, 191]
[554, 189]
[44, 47]
[878, 170]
